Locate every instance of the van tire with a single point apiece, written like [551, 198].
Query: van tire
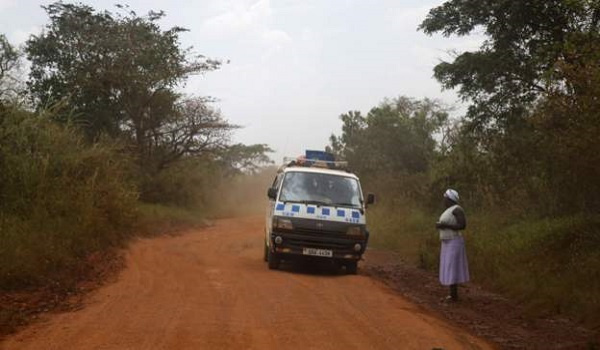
[272, 260]
[352, 267]
[266, 254]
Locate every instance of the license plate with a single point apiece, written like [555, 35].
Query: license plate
[328, 253]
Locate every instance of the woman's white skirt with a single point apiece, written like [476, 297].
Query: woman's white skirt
[454, 267]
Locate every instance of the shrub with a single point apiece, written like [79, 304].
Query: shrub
[60, 198]
[186, 183]
[547, 264]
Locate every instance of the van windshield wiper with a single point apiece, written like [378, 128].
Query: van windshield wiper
[307, 202]
[351, 205]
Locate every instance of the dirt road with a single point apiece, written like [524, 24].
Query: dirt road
[210, 289]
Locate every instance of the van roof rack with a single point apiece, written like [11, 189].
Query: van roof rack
[315, 159]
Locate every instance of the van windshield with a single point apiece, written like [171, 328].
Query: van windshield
[322, 189]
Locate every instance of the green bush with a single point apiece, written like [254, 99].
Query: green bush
[187, 183]
[60, 198]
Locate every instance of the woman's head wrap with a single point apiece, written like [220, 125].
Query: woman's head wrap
[451, 195]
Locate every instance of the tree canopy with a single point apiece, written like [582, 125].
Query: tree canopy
[532, 88]
[395, 137]
[248, 159]
[10, 60]
[119, 73]
[519, 61]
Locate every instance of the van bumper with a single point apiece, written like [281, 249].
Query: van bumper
[342, 248]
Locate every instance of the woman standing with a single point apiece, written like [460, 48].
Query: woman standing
[454, 268]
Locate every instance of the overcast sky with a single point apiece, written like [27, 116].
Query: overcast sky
[295, 65]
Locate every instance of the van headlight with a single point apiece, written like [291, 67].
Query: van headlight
[282, 224]
[356, 232]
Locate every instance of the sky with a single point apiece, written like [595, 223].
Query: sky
[294, 65]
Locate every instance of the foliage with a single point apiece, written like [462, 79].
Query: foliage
[61, 199]
[567, 123]
[195, 129]
[119, 72]
[110, 132]
[394, 137]
[532, 86]
[244, 159]
[10, 63]
[525, 158]
[516, 62]
[186, 184]
[548, 265]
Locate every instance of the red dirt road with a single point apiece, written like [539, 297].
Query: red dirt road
[210, 289]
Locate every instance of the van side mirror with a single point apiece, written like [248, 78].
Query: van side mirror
[272, 193]
[370, 198]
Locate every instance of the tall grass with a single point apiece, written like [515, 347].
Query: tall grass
[547, 264]
[550, 264]
[60, 199]
[404, 230]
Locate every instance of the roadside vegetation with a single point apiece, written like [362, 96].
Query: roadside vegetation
[99, 144]
[525, 157]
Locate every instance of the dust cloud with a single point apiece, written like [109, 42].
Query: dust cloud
[242, 195]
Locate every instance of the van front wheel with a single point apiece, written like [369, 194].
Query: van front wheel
[352, 267]
[272, 260]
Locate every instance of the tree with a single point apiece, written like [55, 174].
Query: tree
[532, 126]
[191, 128]
[248, 159]
[516, 64]
[395, 137]
[567, 122]
[119, 73]
[10, 62]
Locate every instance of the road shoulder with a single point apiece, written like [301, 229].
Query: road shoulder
[485, 314]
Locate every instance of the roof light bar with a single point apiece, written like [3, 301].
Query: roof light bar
[315, 159]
